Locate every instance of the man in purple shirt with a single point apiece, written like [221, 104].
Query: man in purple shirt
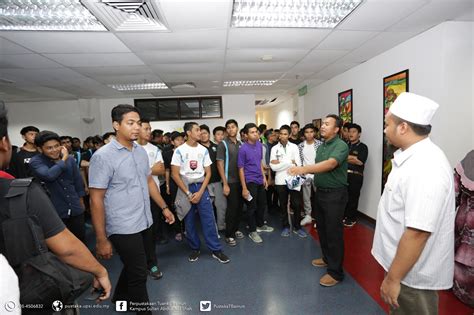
[253, 182]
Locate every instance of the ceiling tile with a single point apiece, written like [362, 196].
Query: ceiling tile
[194, 40]
[239, 76]
[333, 70]
[378, 15]
[67, 42]
[96, 60]
[323, 56]
[187, 68]
[345, 40]
[258, 66]
[181, 56]
[117, 70]
[186, 77]
[127, 79]
[275, 38]
[255, 55]
[7, 48]
[26, 61]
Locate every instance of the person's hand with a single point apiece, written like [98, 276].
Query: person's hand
[103, 281]
[226, 190]
[295, 170]
[245, 193]
[389, 291]
[196, 197]
[103, 249]
[169, 216]
[265, 183]
[64, 153]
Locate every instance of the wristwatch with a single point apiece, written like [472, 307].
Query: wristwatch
[188, 193]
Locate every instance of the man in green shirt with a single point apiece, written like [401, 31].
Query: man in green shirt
[330, 178]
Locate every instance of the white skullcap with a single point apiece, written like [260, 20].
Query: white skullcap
[414, 108]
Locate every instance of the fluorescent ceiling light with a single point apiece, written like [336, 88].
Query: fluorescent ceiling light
[47, 15]
[249, 83]
[139, 86]
[291, 13]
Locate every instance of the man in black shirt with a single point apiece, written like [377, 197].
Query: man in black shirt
[295, 133]
[28, 150]
[358, 153]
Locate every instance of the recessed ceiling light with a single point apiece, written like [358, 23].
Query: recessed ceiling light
[249, 83]
[266, 58]
[139, 86]
[291, 13]
[47, 15]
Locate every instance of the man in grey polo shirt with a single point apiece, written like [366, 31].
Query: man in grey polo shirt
[120, 184]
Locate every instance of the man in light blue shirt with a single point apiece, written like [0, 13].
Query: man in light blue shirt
[120, 184]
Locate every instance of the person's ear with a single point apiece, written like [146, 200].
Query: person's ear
[4, 144]
[115, 125]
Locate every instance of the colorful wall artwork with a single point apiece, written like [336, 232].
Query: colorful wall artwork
[345, 104]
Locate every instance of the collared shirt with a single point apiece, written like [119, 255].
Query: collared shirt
[361, 152]
[419, 194]
[124, 174]
[338, 150]
[63, 181]
[288, 156]
[250, 159]
[232, 154]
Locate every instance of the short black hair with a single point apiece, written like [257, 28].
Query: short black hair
[107, 135]
[309, 126]
[218, 128]
[188, 126]
[346, 125]
[157, 132]
[97, 140]
[76, 138]
[3, 121]
[205, 127]
[122, 109]
[249, 126]
[286, 127]
[420, 130]
[231, 121]
[294, 122]
[45, 136]
[355, 126]
[276, 130]
[262, 128]
[26, 129]
[145, 120]
[267, 133]
[176, 134]
[337, 119]
[167, 134]
[65, 138]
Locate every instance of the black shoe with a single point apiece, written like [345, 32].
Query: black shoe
[155, 273]
[194, 255]
[163, 241]
[220, 257]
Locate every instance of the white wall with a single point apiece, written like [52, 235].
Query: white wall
[65, 117]
[278, 115]
[440, 67]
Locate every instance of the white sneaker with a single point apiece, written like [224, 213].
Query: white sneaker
[255, 237]
[265, 228]
[306, 220]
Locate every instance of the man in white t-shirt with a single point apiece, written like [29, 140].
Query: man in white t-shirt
[414, 235]
[9, 289]
[191, 170]
[307, 150]
[157, 168]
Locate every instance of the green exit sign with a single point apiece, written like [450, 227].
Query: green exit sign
[302, 91]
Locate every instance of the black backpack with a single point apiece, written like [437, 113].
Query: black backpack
[43, 278]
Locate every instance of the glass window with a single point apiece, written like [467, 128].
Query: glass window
[211, 108]
[168, 109]
[189, 108]
[147, 108]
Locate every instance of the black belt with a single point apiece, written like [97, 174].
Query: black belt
[355, 172]
[330, 189]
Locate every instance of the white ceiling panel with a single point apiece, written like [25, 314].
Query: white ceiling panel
[32, 61]
[186, 77]
[96, 60]
[307, 67]
[7, 47]
[378, 15]
[47, 77]
[323, 56]
[187, 67]
[333, 70]
[110, 71]
[258, 66]
[239, 76]
[345, 40]
[275, 38]
[181, 56]
[192, 14]
[67, 42]
[205, 39]
[127, 79]
[254, 55]
[432, 14]
[377, 45]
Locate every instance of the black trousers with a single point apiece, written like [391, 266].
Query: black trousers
[77, 226]
[233, 214]
[330, 205]
[256, 207]
[355, 184]
[131, 285]
[295, 203]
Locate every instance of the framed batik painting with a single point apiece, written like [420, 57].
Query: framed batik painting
[345, 103]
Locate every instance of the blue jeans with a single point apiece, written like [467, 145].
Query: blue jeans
[208, 222]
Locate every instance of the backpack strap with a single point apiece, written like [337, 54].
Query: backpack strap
[17, 197]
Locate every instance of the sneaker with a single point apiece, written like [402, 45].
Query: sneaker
[178, 237]
[285, 232]
[318, 262]
[306, 220]
[194, 255]
[239, 234]
[220, 257]
[264, 228]
[349, 223]
[301, 233]
[155, 273]
[255, 237]
[328, 281]
[230, 241]
[314, 226]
